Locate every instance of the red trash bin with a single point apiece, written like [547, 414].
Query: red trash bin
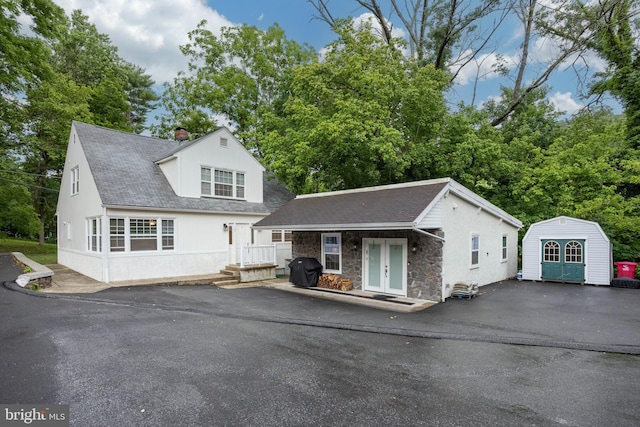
[626, 269]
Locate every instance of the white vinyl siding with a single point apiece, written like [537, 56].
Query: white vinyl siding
[596, 253]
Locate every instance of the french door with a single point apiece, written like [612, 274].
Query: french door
[563, 260]
[385, 266]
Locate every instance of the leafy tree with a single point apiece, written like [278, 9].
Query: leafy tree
[66, 71]
[533, 115]
[52, 105]
[122, 94]
[615, 41]
[359, 117]
[22, 57]
[580, 175]
[17, 216]
[237, 77]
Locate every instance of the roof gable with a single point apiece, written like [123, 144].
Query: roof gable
[569, 223]
[124, 168]
[221, 132]
[397, 206]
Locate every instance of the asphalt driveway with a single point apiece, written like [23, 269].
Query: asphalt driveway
[521, 353]
[585, 317]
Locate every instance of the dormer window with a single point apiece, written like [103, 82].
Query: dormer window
[222, 183]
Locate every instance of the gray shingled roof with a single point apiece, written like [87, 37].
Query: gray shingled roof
[124, 169]
[394, 206]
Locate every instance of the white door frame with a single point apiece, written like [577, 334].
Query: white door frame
[377, 274]
[240, 235]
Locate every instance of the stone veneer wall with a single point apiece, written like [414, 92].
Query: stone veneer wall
[424, 265]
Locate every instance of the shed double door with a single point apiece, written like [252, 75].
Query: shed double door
[384, 268]
[563, 260]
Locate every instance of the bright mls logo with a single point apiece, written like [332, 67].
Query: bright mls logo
[34, 415]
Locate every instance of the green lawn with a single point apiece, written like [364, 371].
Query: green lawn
[47, 254]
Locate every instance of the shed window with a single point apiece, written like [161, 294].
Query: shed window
[552, 251]
[332, 253]
[573, 252]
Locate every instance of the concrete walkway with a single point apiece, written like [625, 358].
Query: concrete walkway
[67, 281]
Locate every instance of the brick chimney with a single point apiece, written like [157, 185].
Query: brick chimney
[181, 134]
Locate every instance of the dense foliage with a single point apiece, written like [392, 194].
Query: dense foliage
[63, 70]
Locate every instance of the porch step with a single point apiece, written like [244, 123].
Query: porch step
[209, 279]
[225, 282]
[230, 271]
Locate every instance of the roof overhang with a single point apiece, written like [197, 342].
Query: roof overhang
[341, 227]
[199, 211]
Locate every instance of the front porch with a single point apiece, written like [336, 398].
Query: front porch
[249, 273]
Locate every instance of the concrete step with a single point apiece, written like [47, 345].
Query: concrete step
[230, 272]
[225, 282]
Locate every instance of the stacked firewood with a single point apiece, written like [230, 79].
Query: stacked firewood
[335, 281]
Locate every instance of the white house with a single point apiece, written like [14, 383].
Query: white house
[415, 239]
[566, 249]
[136, 207]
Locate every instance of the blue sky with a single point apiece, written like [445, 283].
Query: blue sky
[148, 33]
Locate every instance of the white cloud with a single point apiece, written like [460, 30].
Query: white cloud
[149, 32]
[368, 17]
[482, 68]
[261, 17]
[564, 102]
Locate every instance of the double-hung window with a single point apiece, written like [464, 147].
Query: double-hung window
[222, 183]
[505, 251]
[475, 250]
[239, 185]
[141, 234]
[116, 234]
[205, 181]
[94, 235]
[332, 253]
[278, 236]
[167, 234]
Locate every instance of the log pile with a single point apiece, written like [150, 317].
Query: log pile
[334, 281]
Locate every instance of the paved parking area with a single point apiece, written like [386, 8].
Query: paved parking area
[522, 353]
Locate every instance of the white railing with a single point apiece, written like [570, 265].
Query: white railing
[257, 255]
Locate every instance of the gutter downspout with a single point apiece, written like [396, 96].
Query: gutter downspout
[426, 233]
[105, 250]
